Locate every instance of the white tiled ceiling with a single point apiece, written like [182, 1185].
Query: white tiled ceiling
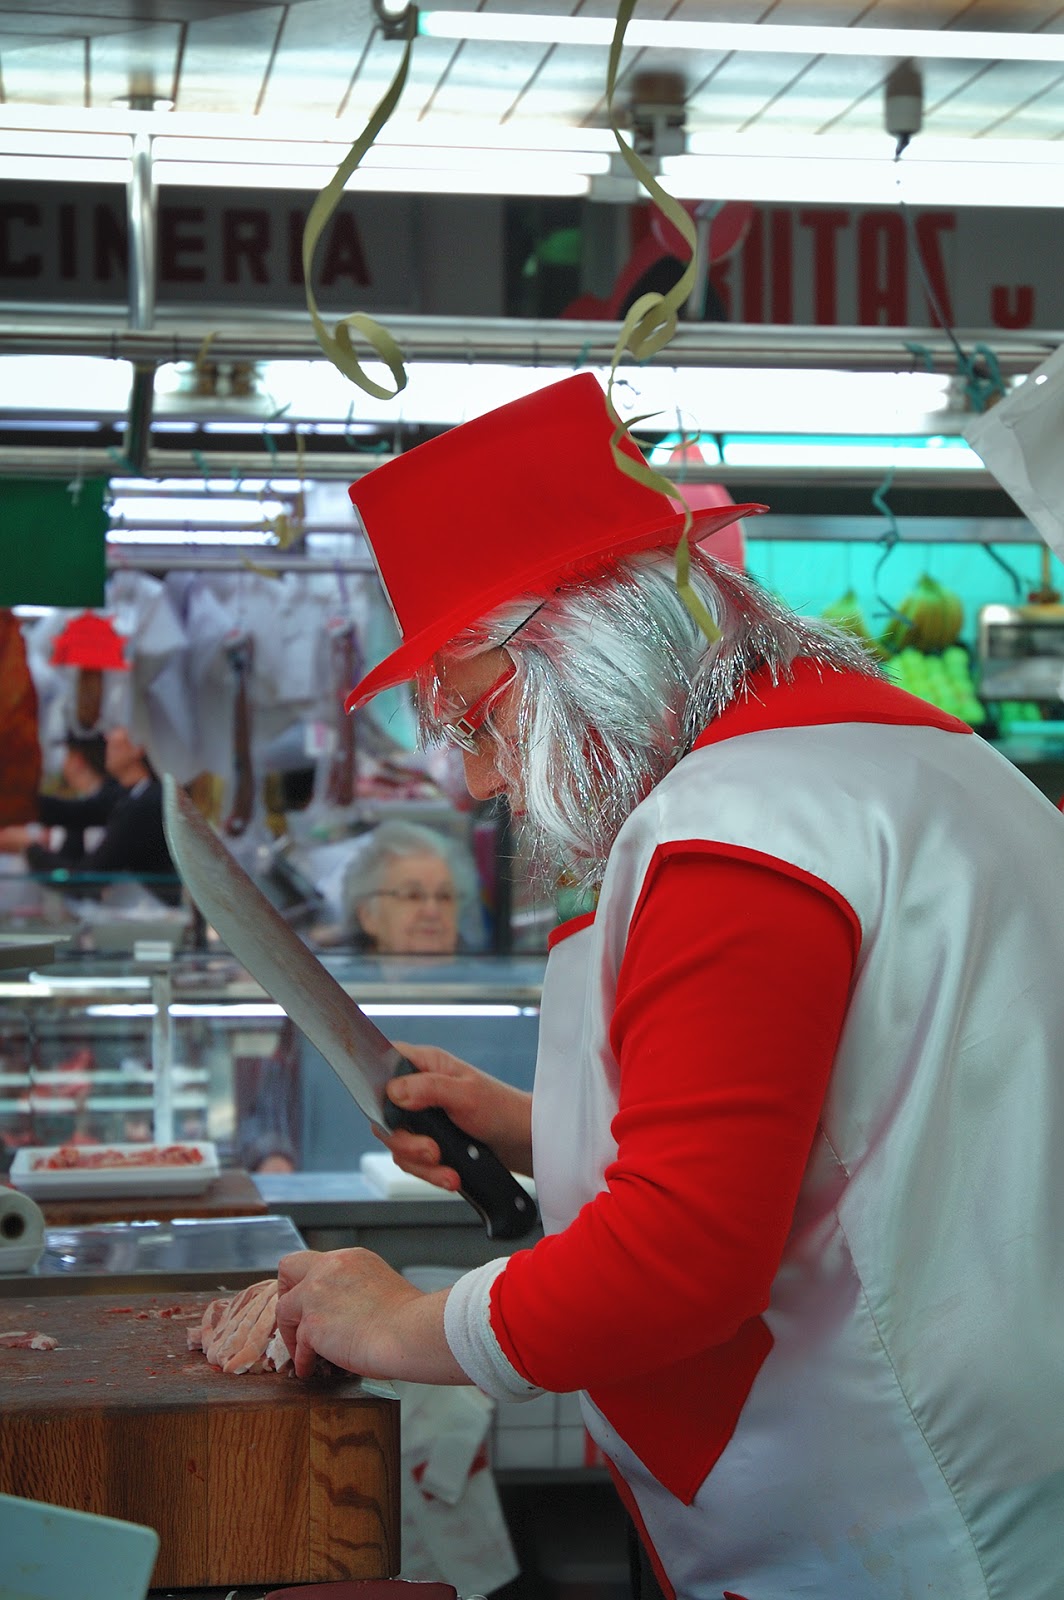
[327, 59]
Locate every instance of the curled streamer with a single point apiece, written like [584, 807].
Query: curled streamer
[650, 324]
[339, 345]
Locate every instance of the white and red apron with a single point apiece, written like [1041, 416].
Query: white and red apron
[898, 1423]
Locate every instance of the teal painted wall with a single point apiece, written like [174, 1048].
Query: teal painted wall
[810, 574]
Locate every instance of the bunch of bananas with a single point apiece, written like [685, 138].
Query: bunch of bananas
[929, 619]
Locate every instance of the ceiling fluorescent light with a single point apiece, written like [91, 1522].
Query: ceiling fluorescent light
[54, 142]
[699, 399]
[198, 534]
[763, 38]
[70, 385]
[803, 178]
[66, 169]
[936, 454]
[219, 510]
[391, 153]
[250, 488]
[71, 124]
[387, 180]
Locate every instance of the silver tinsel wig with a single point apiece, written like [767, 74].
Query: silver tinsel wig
[615, 681]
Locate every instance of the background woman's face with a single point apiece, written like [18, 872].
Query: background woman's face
[415, 910]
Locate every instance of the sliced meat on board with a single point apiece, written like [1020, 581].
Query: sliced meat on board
[240, 1334]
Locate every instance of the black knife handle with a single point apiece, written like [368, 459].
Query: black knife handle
[507, 1210]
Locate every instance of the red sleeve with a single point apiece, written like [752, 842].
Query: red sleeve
[730, 1001]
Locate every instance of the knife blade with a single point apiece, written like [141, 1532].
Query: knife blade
[360, 1055]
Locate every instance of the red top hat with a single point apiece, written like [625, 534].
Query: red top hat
[518, 501]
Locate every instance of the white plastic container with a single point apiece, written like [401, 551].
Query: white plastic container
[85, 1183]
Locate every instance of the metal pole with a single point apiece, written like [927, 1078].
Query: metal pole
[553, 342]
[140, 198]
[140, 207]
[162, 1060]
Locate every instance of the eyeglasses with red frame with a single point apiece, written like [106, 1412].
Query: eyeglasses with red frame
[463, 731]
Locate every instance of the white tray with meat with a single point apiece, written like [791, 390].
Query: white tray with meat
[83, 1171]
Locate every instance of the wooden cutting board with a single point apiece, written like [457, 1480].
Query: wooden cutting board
[260, 1479]
[232, 1194]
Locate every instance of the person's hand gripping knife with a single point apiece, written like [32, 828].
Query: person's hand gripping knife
[349, 1306]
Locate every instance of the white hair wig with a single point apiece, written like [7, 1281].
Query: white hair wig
[616, 681]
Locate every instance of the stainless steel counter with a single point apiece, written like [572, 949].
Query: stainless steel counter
[333, 1210]
[219, 1252]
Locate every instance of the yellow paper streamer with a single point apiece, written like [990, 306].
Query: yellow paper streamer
[339, 345]
[689, 596]
[201, 355]
[647, 329]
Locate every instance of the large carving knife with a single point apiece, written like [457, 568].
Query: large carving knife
[362, 1058]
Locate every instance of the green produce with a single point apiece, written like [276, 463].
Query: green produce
[943, 678]
[1013, 711]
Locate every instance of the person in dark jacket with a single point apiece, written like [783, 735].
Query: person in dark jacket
[133, 844]
[91, 794]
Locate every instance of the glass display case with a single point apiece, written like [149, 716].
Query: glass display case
[189, 1047]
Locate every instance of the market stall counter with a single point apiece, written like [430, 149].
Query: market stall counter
[257, 1479]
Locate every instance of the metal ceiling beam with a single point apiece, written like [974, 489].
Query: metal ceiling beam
[205, 558]
[555, 343]
[346, 466]
[917, 530]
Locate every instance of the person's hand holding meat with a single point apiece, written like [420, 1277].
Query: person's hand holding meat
[350, 1308]
[494, 1112]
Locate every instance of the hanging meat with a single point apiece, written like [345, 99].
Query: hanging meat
[20, 749]
[240, 659]
[346, 665]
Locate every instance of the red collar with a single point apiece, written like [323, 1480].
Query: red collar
[814, 695]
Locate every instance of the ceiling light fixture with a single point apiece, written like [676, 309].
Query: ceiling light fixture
[856, 171]
[750, 37]
[497, 179]
[413, 167]
[756, 167]
[414, 154]
[384, 180]
[66, 169]
[936, 454]
[759, 400]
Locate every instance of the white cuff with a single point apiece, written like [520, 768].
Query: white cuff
[467, 1326]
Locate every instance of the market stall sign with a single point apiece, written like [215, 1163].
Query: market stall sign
[52, 542]
[841, 266]
[212, 245]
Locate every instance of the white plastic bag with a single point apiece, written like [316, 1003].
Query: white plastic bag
[1021, 441]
